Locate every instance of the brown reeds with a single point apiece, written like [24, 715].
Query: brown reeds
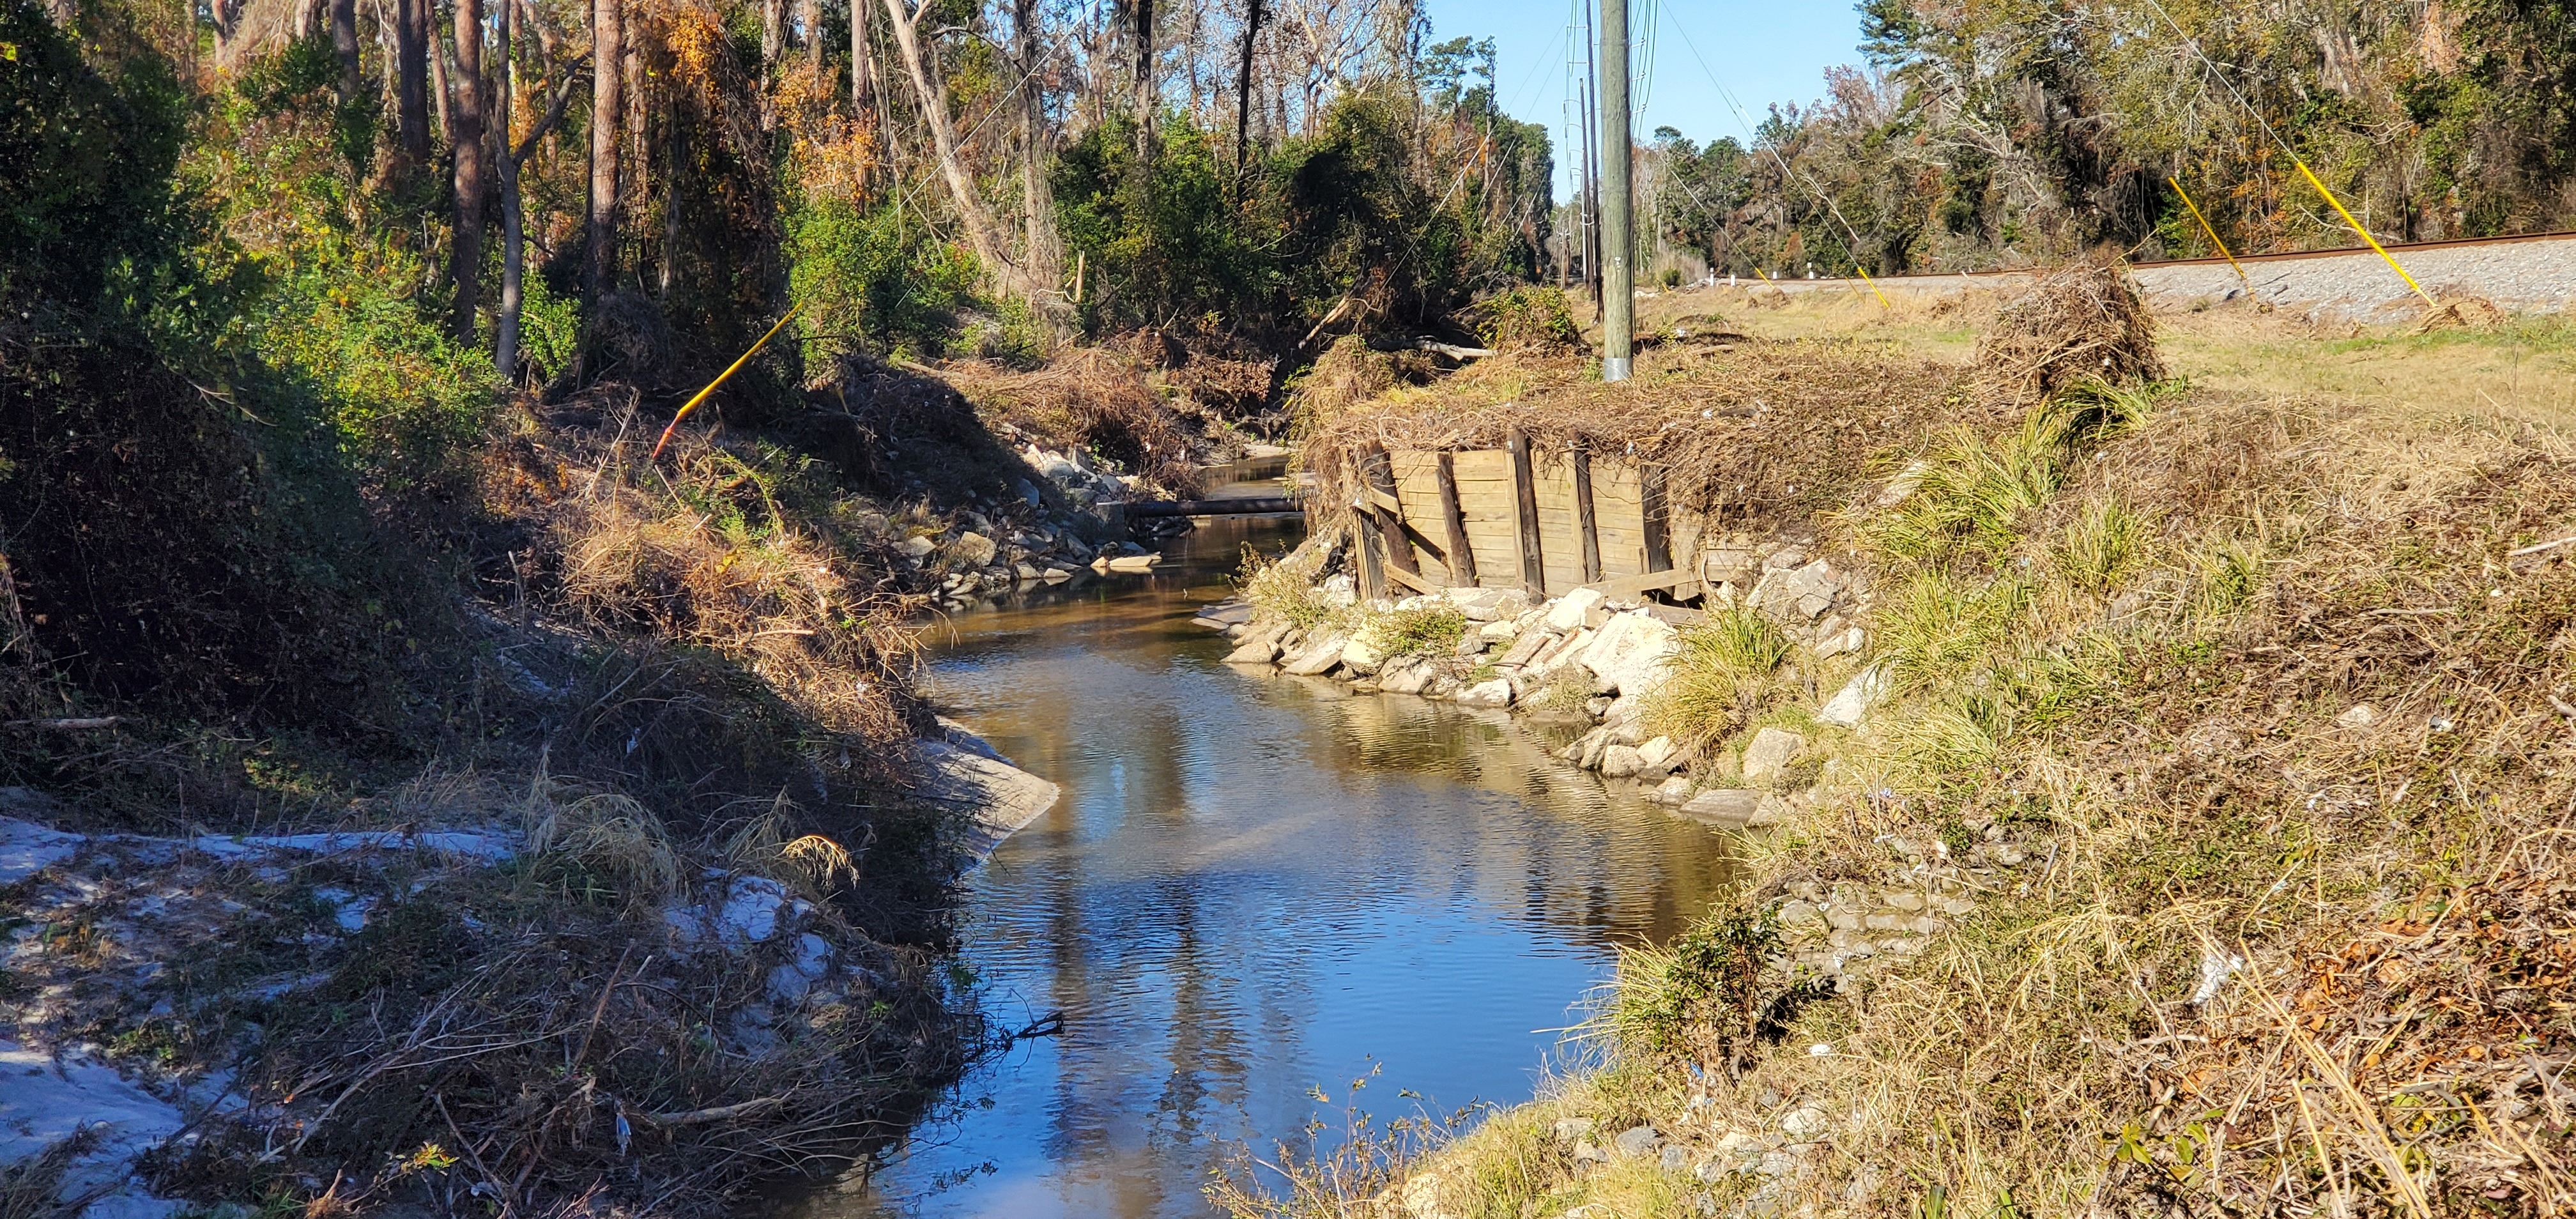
[2080, 322]
[1095, 399]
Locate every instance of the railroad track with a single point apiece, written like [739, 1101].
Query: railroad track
[2530, 273]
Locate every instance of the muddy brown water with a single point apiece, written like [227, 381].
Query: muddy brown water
[1254, 886]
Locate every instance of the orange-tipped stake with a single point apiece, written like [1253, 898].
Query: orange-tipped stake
[2213, 236]
[736, 366]
[1873, 287]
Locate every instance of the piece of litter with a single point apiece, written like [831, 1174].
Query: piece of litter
[1822, 1049]
[2214, 972]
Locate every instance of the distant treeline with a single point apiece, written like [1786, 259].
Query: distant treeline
[1997, 132]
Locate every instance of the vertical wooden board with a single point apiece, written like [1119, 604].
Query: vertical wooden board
[1485, 501]
[1619, 512]
[1560, 540]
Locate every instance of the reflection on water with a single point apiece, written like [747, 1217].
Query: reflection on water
[1253, 885]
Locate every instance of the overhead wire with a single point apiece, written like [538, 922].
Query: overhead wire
[1753, 137]
[2295, 159]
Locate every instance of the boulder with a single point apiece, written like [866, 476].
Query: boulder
[1486, 604]
[1526, 649]
[1621, 762]
[1632, 653]
[1657, 756]
[1135, 562]
[1261, 644]
[972, 549]
[916, 547]
[1845, 708]
[1403, 678]
[1725, 807]
[1595, 747]
[1318, 656]
[1674, 791]
[1797, 595]
[1500, 630]
[1768, 757]
[1495, 693]
[1637, 1142]
[1363, 654]
[1574, 610]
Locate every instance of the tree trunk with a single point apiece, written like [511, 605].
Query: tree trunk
[863, 69]
[982, 234]
[344, 45]
[1243, 90]
[439, 84]
[411, 77]
[1145, 92]
[505, 322]
[607, 107]
[465, 134]
[809, 13]
[1045, 252]
[773, 30]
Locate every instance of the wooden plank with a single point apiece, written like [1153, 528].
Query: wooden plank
[1372, 572]
[1412, 581]
[1454, 517]
[1630, 586]
[1388, 511]
[1588, 529]
[1525, 500]
[1659, 548]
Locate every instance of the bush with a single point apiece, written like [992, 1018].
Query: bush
[1720, 679]
[1528, 318]
[868, 277]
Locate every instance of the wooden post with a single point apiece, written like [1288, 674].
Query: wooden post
[1388, 511]
[1462, 557]
[1525, 521]
[1583, 521]
[1659, 543]
[1372, 575]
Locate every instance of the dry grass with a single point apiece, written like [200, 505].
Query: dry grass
[1093, 398]
[2141, 664]
[728, 546]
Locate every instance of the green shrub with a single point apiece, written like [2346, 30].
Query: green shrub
[1423, 631]
[1706, 984]
[874, 277]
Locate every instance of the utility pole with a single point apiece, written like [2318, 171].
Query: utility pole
[1593, 171]
[1618, 272]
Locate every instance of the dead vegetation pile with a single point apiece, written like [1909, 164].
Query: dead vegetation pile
[1095, 399]
[1752, 431]
[2076, 323]
[622, 1013]
[728, 545]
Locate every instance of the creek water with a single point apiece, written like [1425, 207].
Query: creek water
[1254, 886]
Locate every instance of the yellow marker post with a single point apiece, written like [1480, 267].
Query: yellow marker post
[1873, 287]
[2213, 236]
[2365, 233]
[720, 379]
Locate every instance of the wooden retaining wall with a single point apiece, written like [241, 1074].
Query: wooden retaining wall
[1543, 522]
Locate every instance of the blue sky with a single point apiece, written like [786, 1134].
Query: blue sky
[1763, 51]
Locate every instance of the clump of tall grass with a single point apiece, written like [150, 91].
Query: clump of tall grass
[1727, 667]
[1975, 492]
[1285, 587]
[598, 846]
[1424, 630]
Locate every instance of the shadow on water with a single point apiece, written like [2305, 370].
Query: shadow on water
[1254, 885]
